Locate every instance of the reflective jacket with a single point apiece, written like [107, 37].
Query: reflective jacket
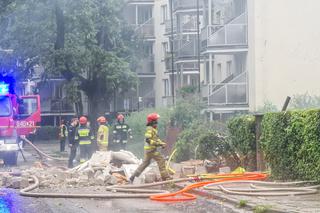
[84, 135]
[63, 131]
[152, 140]
[103, 134]
[121, 133]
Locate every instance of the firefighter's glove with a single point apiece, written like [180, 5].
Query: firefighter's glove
[162, 144]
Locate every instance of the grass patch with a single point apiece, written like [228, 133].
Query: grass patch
[261, 209]
[242, 203]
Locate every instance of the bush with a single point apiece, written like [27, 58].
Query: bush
[291, 143]
[47, 133]
[243, 140]
[198, 133]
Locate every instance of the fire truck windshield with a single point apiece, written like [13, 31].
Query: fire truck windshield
[5, 106]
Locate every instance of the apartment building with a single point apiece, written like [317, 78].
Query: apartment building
[257, 51]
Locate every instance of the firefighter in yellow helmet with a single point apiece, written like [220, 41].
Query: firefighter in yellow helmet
[85, 137]
[152, 142]
[103, 134]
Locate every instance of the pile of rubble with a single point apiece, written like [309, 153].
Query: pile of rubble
[104, 168]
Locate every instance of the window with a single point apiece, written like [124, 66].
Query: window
[219, 72]
[166, 87]
[144, 14]
[165, 48]
[229, 64]
[28, 106]
[4, 106]
[164, 13]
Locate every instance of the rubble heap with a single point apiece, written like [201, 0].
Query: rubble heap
[99, 170]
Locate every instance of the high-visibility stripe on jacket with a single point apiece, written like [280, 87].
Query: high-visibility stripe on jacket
[152, 140]
[84, 135]
[103, 134]
[63, 131]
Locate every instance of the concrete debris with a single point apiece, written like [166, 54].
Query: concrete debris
[98, 171]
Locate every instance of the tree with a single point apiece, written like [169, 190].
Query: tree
[85, 41]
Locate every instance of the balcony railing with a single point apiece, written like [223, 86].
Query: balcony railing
[234, 92]
[186, 4]
[190, 26]
[235, 33]
[146, 65]
[146, 29]
[187, 48]
[168, 26]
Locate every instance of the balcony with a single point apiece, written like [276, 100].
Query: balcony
[189, 26]
[232, 93]
[187, 49]
[168, 26]
[233, 34]
[146, 65]
[146, 29]
[186, 4]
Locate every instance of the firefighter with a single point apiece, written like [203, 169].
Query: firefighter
[103, 134]
[152, 142]
[63, 135]
[85, 138]
[73, 144]
[121, 133]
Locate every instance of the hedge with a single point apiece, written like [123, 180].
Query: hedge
[291, 143]
[243, 140]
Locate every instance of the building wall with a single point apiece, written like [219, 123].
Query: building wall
[158, 51]
[284, 54]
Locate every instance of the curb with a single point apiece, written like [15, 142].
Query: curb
[204, 193]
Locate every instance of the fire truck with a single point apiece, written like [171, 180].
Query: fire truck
[19, 116]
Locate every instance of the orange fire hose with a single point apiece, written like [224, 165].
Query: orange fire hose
[183, 195]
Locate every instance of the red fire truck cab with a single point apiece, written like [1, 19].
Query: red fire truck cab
[19, 116]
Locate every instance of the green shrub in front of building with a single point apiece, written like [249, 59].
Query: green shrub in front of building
[291, 143]
[47, 133]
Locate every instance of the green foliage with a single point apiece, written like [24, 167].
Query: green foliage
[84, 41]
[261, 208]
[291, 144]
[187, 111]
[47, 133]
[268, 106]
[242, 139]
[202, 134]
[188, 90]
[305, 101]
[242, 203]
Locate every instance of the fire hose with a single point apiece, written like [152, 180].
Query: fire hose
[183, 195]
[41, 153]
[264, 191]
[139, 193]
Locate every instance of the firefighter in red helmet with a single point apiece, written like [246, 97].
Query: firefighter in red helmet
[85, 138]
[152, 142]
[121, 134]
[103, 134]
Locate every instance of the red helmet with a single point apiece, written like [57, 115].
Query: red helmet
[102, 119]
[153, 117]
[83, 120]
[120, 117]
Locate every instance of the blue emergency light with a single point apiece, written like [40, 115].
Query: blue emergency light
[4, 88]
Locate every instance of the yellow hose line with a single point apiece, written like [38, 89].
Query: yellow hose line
[168, 168]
